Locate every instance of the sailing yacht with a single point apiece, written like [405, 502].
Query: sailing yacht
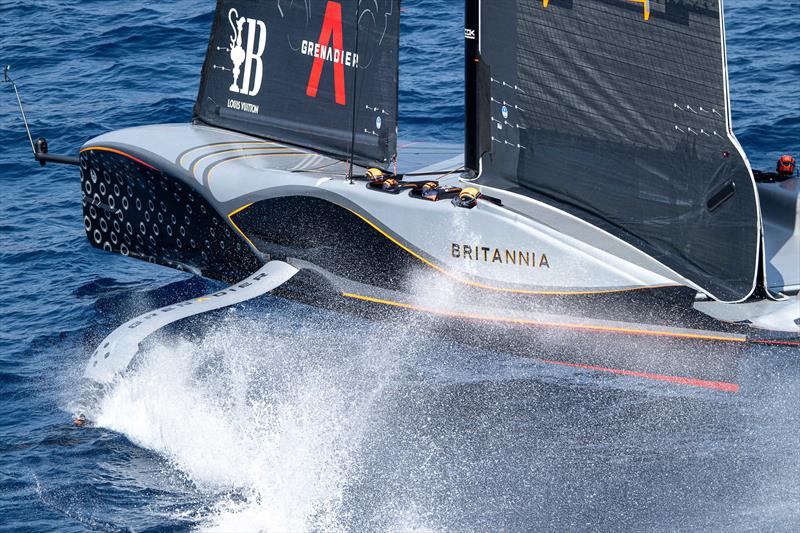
[600, 189]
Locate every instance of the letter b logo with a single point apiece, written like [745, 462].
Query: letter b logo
[253, 62]
[251, 56]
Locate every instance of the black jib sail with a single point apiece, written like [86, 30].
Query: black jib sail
[314, 73]
[618, 112]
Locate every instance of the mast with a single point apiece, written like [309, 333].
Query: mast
[471, 64]
[352, 156]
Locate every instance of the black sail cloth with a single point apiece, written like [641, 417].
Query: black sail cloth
[320, 74]
[617, 111]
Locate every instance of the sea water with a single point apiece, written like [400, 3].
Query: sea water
[276, 416]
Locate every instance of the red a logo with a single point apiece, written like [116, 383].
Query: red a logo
[332, 27]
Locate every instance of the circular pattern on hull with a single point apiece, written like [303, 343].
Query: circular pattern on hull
[160, 202]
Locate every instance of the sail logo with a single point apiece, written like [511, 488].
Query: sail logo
[324, 52]
[251, 55]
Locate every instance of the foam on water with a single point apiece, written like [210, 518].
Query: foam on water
[269, 422]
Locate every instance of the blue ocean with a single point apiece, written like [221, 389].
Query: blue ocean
[275, 416]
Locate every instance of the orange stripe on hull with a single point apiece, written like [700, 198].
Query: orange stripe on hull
[230, 218]
[538, 323]
[694, 382]
[113, 151]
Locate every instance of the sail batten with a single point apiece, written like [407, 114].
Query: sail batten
[320, 74]
[624, 121]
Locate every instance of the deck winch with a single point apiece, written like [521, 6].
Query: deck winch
[430, 191]
[467, 198]
[390, 185]
[374, 174]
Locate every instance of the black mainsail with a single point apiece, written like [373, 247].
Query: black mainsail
[618, 112]
[321, 74]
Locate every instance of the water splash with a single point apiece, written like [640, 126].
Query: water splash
[268, 419]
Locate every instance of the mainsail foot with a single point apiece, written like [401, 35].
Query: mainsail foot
[118, 349]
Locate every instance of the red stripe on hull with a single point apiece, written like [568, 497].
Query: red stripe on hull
[693, 382]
